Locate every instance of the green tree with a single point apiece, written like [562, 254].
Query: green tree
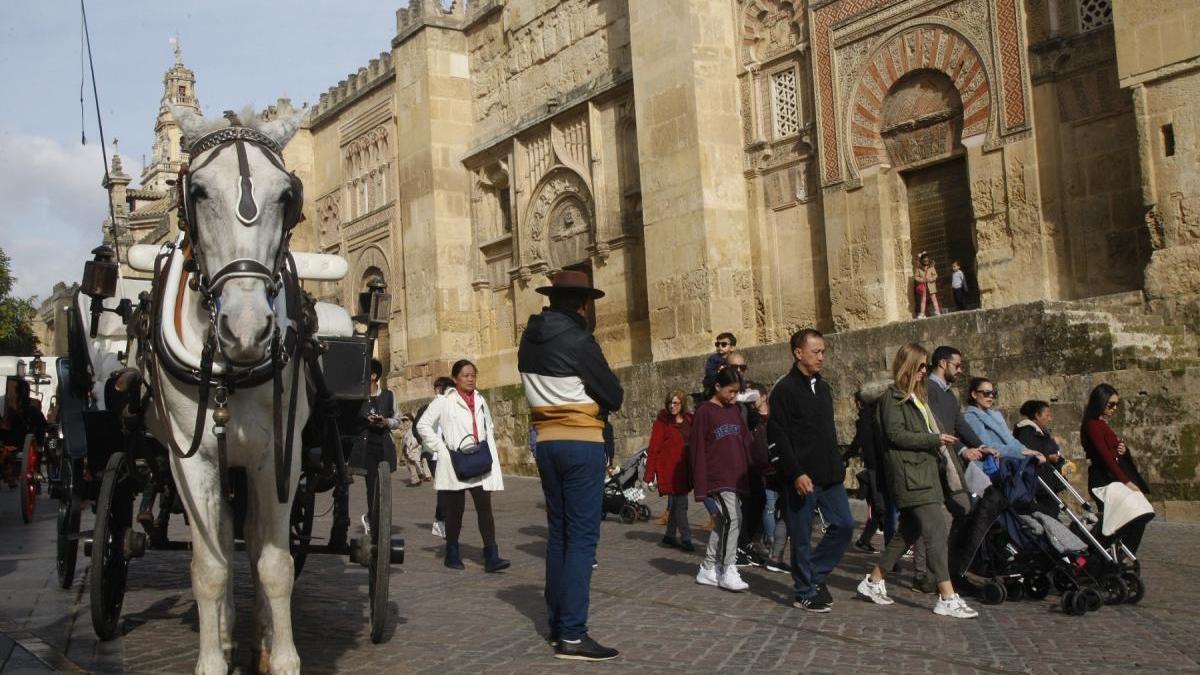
[16, 315]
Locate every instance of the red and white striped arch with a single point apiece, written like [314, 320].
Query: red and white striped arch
[926, 47]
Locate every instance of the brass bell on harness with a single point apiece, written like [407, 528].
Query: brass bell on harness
[221, 416]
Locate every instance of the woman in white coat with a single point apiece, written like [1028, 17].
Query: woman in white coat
[460, 418]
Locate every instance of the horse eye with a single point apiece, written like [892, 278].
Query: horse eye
[287, 196]
[197, 192]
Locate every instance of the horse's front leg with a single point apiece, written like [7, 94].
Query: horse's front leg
[271, 556]
[212, 546]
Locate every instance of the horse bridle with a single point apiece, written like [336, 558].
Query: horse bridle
[247, 210]
[281, 275]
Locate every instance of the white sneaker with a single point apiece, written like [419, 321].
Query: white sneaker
[438, 529]
[707, 576]
[955, 607]
[366, 525]
[875, 591]
[731, 580]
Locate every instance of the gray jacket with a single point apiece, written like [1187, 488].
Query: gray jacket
[949, 415]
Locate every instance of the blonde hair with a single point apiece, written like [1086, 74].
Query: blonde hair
[683, 401]
[906, 368]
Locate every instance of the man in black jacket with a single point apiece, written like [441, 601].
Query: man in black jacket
[570, 390]
[804, 450]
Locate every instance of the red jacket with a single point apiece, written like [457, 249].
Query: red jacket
[1100, 446]
[666, 458]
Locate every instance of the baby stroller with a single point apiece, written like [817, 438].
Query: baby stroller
[623, 493]
[1105, 571]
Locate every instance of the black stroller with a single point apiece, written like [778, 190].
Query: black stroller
[623, 491]
[1023, 549]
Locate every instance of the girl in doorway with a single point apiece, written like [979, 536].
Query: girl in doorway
[925, 277]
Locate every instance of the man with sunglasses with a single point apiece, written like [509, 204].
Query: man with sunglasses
[946, 366]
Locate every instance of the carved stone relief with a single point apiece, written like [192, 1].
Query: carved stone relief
[560, 221]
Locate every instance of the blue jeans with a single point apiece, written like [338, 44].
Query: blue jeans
[772, 496]
[810, 566]
[573, 483]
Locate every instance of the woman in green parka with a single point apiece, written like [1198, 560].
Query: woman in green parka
[914, 443]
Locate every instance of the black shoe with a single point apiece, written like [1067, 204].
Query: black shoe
[744, 559]
[813, 605]
[776, 566]
[492, 562]
[453, 559]
[823, 595]
[865, 546]
[923, 584]
[686, 546]
[669, 541]
[586, 649]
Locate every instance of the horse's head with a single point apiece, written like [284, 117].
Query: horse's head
[240, 205]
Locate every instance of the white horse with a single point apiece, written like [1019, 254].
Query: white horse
[238, 199]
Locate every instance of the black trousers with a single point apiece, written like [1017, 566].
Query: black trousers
[454, 503]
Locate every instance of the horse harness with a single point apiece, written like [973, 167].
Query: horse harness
[286, 346]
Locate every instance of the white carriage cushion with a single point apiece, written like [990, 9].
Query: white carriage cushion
[320, 266]
[141, 256]
[333, 320]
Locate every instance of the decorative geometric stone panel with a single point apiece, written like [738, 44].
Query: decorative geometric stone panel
[560, 222]
[1094, 14]
[771, 28]
[785, 107]
[920, 49]
[1008, 41]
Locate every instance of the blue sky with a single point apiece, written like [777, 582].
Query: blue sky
[248, 51]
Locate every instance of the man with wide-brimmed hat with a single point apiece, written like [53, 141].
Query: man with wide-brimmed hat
[570, 390]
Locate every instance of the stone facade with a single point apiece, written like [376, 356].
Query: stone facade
[758, 166]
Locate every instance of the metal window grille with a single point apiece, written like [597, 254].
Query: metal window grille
[784, 103]
[1094, 14]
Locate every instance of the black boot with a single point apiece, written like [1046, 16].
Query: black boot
[453, 559]
[492, 562]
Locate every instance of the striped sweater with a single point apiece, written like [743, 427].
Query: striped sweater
[568, 383]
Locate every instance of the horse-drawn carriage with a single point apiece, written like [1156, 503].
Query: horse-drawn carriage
[26, 432]
[192, 387]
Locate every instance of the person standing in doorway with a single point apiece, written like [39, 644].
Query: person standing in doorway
[925, 278]
[958, 286]
[570, 389]
[804, 453]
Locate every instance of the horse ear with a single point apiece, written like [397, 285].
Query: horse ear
[282, 128]
[191, 122]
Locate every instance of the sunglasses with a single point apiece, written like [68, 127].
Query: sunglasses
[923, 367]
[987, 393]
[1112, 406]
[741, 368]
[721, 344]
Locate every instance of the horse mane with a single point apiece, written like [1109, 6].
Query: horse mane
[281, 129]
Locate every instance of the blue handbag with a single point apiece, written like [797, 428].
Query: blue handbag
[471, 460]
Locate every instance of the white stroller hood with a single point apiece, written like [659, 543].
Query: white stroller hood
[1121, 506]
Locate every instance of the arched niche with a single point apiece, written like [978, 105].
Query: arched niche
[561, 219]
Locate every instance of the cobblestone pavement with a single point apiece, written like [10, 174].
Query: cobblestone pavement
[644, 602]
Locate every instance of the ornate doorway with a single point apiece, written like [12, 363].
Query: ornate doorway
[941, 222]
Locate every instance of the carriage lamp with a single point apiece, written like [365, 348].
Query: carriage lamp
[22, 369]
[100, 274]
[375, 305]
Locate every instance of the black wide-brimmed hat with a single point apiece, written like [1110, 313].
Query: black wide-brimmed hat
[570, 281]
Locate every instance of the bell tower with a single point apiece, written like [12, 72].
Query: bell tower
[179, 88]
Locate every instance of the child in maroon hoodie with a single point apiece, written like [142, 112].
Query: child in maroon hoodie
[720, 453]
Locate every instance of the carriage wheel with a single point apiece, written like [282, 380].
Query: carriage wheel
[1014, 591]
[380, 565]
[643, 512]
[1093, 597]
[301, 525]
[110, 567]
[68, 526]
[28, 488]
